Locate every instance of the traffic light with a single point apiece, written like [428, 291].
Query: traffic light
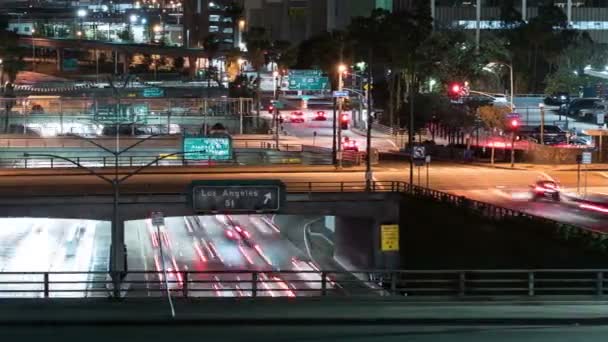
[512, 124]
[455, 91]
[344, 121]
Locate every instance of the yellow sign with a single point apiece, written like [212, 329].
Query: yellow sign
[389, 237]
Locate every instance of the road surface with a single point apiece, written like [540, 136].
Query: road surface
[205, 243]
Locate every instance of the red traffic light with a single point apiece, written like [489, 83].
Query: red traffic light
[344, 118]
[455, 88]
[514, 123]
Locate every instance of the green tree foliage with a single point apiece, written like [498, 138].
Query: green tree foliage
[258, 44]
[493, 116]
[125, 35]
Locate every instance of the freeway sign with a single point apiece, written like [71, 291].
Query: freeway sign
[153, 92]
[304, 73]
[240, 196]
[206, 148]
[308, 83]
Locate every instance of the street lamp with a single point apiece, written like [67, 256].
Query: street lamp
[541, 106]
[81, 13]
[492, 64]
[33, 50]
[341, 70]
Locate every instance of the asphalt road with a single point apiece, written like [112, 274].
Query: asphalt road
[504, 187]
[206, 243]
[320, 132]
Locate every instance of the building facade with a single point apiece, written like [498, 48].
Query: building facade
[297, 20]
[204, 17]
[585, 15]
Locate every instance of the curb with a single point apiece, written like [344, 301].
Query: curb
[310, 321]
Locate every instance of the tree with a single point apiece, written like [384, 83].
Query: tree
[233, 67]
[178, 63]
[493, 117]
[211, 45]
[125, 35]
[258, 44]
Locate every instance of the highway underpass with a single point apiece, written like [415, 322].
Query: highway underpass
[186, 244]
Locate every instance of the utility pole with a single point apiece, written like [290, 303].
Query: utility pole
[341, 69]
[368, 162]
[410, 137]
[477, 25]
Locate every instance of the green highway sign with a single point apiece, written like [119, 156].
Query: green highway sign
[207, 148]
[153, 92]
[304, 73]
[242, 196]
[70, 64]
[127, 113]
[308, 83]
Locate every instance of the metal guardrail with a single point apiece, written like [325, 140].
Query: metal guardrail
[497, 284]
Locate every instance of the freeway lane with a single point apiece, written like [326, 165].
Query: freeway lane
[213, 243]
[44, 245]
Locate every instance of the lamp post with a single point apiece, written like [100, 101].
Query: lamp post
[33, 50]
[275, 76]
[541, 106]
[510, 66]
[341, 70]
[81, 14]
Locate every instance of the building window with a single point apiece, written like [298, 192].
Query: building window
[214, 28]
[228, 30]
[214, 18]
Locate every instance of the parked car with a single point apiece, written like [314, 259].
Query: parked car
[557, 99]
[575, 106]
[552, 134]
[590, 114]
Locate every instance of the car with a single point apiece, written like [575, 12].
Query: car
[500, 99]
[244, 234]
[552, 134]
[576, 105]
[320, 116]
[547, 189]
[591, 114]
[350, 145]
[557, 99]
[296, 117]
[231, 234]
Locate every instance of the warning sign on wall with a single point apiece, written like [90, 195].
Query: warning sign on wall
[389, 237]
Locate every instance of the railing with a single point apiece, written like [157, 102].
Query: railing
[474, 284]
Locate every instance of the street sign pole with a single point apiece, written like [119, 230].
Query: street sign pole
[578, 177]
[340, 100]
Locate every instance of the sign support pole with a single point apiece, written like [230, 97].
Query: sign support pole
[427, 175]
[578, 178]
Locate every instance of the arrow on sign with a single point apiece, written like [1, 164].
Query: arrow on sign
[267, 198]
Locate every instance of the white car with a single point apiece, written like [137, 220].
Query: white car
[500, 98]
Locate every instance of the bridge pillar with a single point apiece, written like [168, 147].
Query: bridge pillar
[357, 243]
[192, 66]
[59, 59]
[126, 60]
